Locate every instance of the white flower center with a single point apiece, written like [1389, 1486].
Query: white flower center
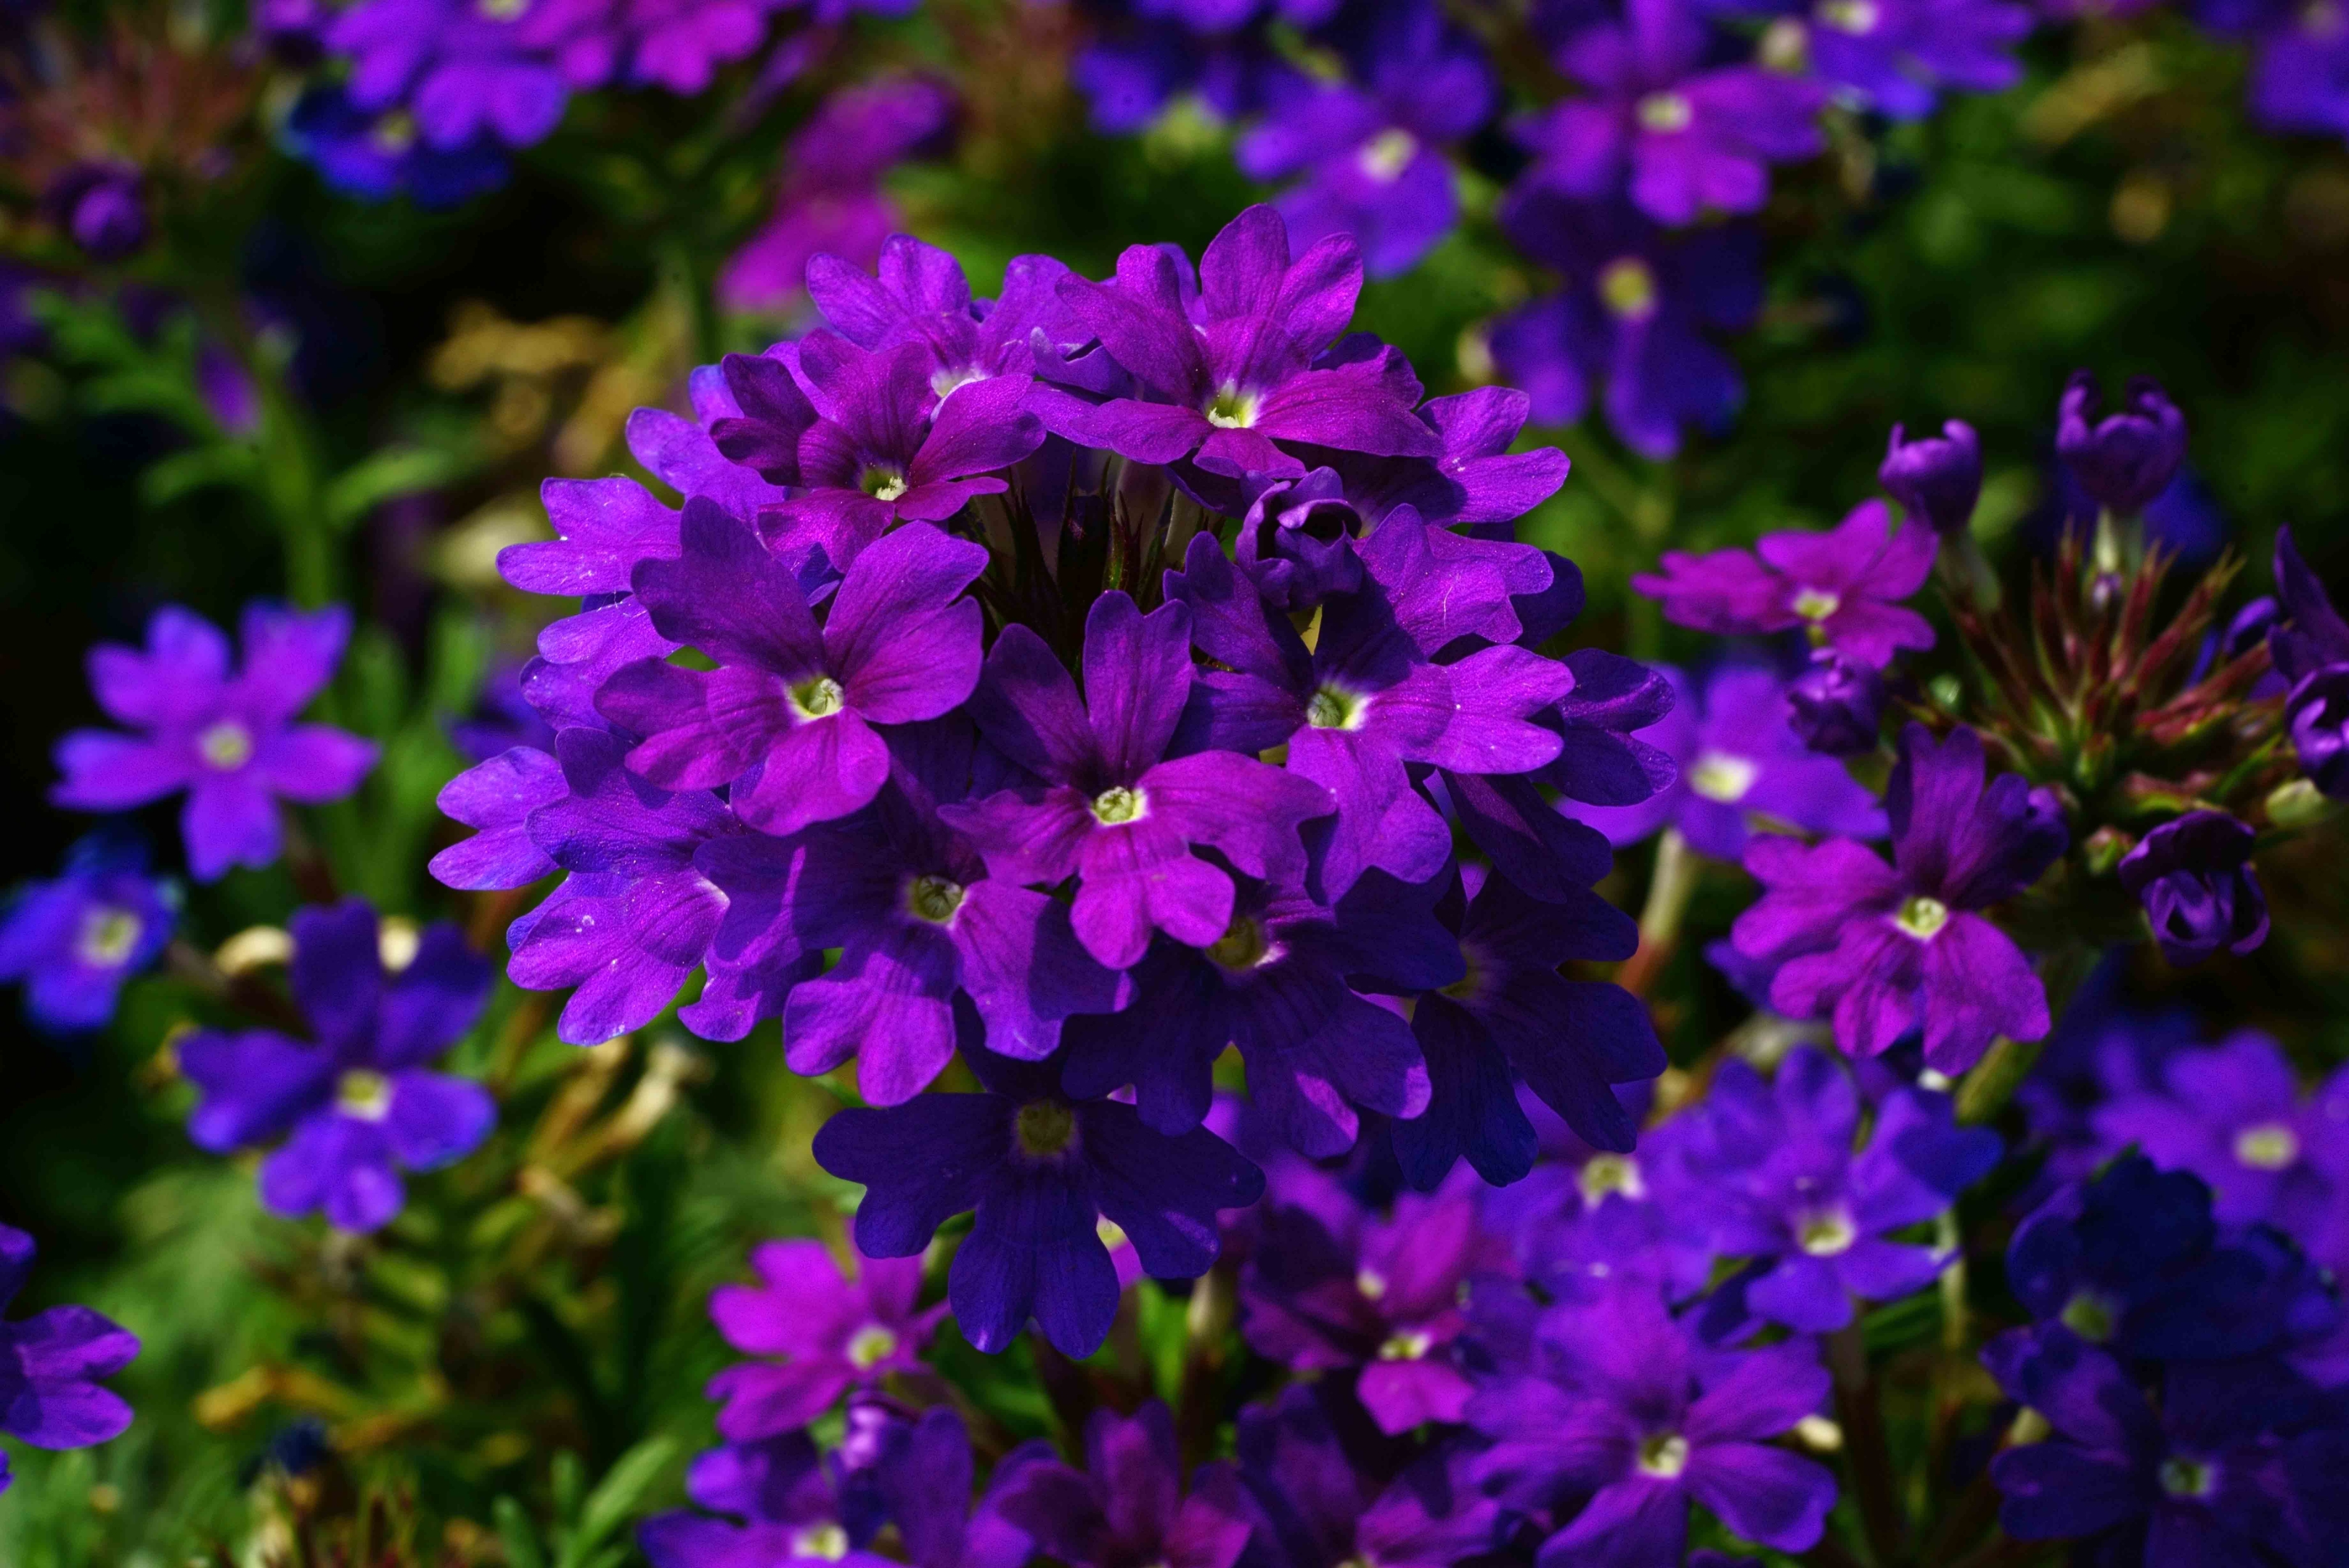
[1828, 1233]
[1857, 18]
[1120, 803]
[826, 1541]
[881, 484]
[1410, 1345]
[1385, 156]
[362, 1094]
[1231, 408]
[2272, 1146]
[818, 698]
[1664, 113]
[1663, 1456]
[1371, 1283]
[108, 936]
[1335, 707]
[1814, 605]
[227, 745]
[871, 1346]
[1610, 1173]
[1922, 918]
[1718, 776]
[946, 383]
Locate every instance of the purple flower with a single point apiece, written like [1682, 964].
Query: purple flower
[51, 1363]
[1315, 1507]
[1127, 1509]
[1276, 984]
[1371, 153]
[229, 740]
[1680, 138]
[885, 448]
[1742, 770]
[2310, 634]
[2126, 459]
[1511, 1015]
[829, 1334]
[2300, 78]
[1888, 950]
[1357, 709]
[1111, 804]
[786, 719]
[1634, 311]
[925, 935]
[75, 940]
[1843, 586]
[1042, 1171]
[1227, 365]
[831, 202]
[673, 44]
[1383, 1297]
[2233, 1114]
[1937, 479]
[1893, 56]
[378, 155]
[460, 69]
[2194, 876]
[2132, 1260]
[924, 1482]
[100, 208]
[1587, 1216]
[2238, 1465]
[1786, 1192]
[1836, 704]
[792, 1512]
[1623, 1405]
[1132, 73]
[2316, 715]
[359, 1102]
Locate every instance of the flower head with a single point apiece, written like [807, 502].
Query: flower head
[1127, 1508]
[1892, 950]
[1316, 1507]
[358, 1103]
[1893, 56]
[228, 740]
[826, 1331]
[2194, 876]
[1843, 586]
[75, 940]
[2126, 459]
[461, 68]
[1836, 704]
[379, 155]
[1936, 478]
[51, 1364]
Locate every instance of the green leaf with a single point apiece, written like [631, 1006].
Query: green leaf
[384, 476]
[516, 1535]
[199, 468]
[616, 1498]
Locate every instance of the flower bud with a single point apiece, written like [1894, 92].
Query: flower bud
[1937, 478]
[2126, 459]
[2194, 877]
[1837, 706]
[99, 207]
[2317, 715]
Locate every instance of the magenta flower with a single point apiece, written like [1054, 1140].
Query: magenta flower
[787, 718]
[1888, 950]
[360, 1102]
[1684, 138]
[50, 1364]
[1227, 365]
[1843, 586]
[823, 1331]
[228, 740]
[1112, 807]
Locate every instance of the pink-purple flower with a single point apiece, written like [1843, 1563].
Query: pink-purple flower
[820, 1331]
[1845, 587]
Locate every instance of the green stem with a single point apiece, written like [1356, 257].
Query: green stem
[1866, 1451]
[1669, 887]
[1984, 1091]
[682, 271]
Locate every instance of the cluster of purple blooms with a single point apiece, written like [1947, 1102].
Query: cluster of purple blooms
[53, 1366]
[993, 750]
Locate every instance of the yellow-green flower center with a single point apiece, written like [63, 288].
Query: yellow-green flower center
[1626, 287]
[2182, 1477]
[818, 698]
[1242, 947]
[395, 133]
[1371, 1283]
[108, 936]
[2271, 1145]
[1663, 1456]
[1231, 408]
[826, 1541]
[1385, 156]
[1120, 803]
[364, 1095]
[2089, 1316]
[1410, 1344]
[1045, 1128]
[881, 484]
[933, 898]
[871, 1346]
[1814, 605]
[1857, 17]
[1719, 777]
[1664, 113]
[1604, 1173]
[227, 745]
[1922, 918]
[1827, 1233]
[1335, 707]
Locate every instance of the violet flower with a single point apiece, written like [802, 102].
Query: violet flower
[1042, 1171]
[1843, 586]
[51, 1364]
[1357, 709]
[1381, 1297]
[787, 718]
[925, 935]
[924, 1484]
[1511, 1015]
[2316, 715]
[228, 740]
[1836, 705]
[674, 44]
[75, 940]
[460, 69]
[1112, 806]
[829, 1334]
[1678, 137]
[1633, 314]
[1371, 148]
[1315, 1508]
[1127, 1508]
[1894, 56]
[2233, 1114]
[2126, 459]
[790, 1512]
[1786, 1191]
[1227, 366]
[2310, 647]
[378, 155]
[1888, 950]
[1935, 478]
[358, 1104]
[1623, 1405]
[1743, 769]
[2193, 874]
[100, 208]
[2299, 76]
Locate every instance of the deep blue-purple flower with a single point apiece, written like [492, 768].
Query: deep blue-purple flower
[72, 943]
[51, 1364]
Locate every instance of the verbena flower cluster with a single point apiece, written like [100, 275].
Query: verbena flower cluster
[1086, 681]
[1634, 151]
